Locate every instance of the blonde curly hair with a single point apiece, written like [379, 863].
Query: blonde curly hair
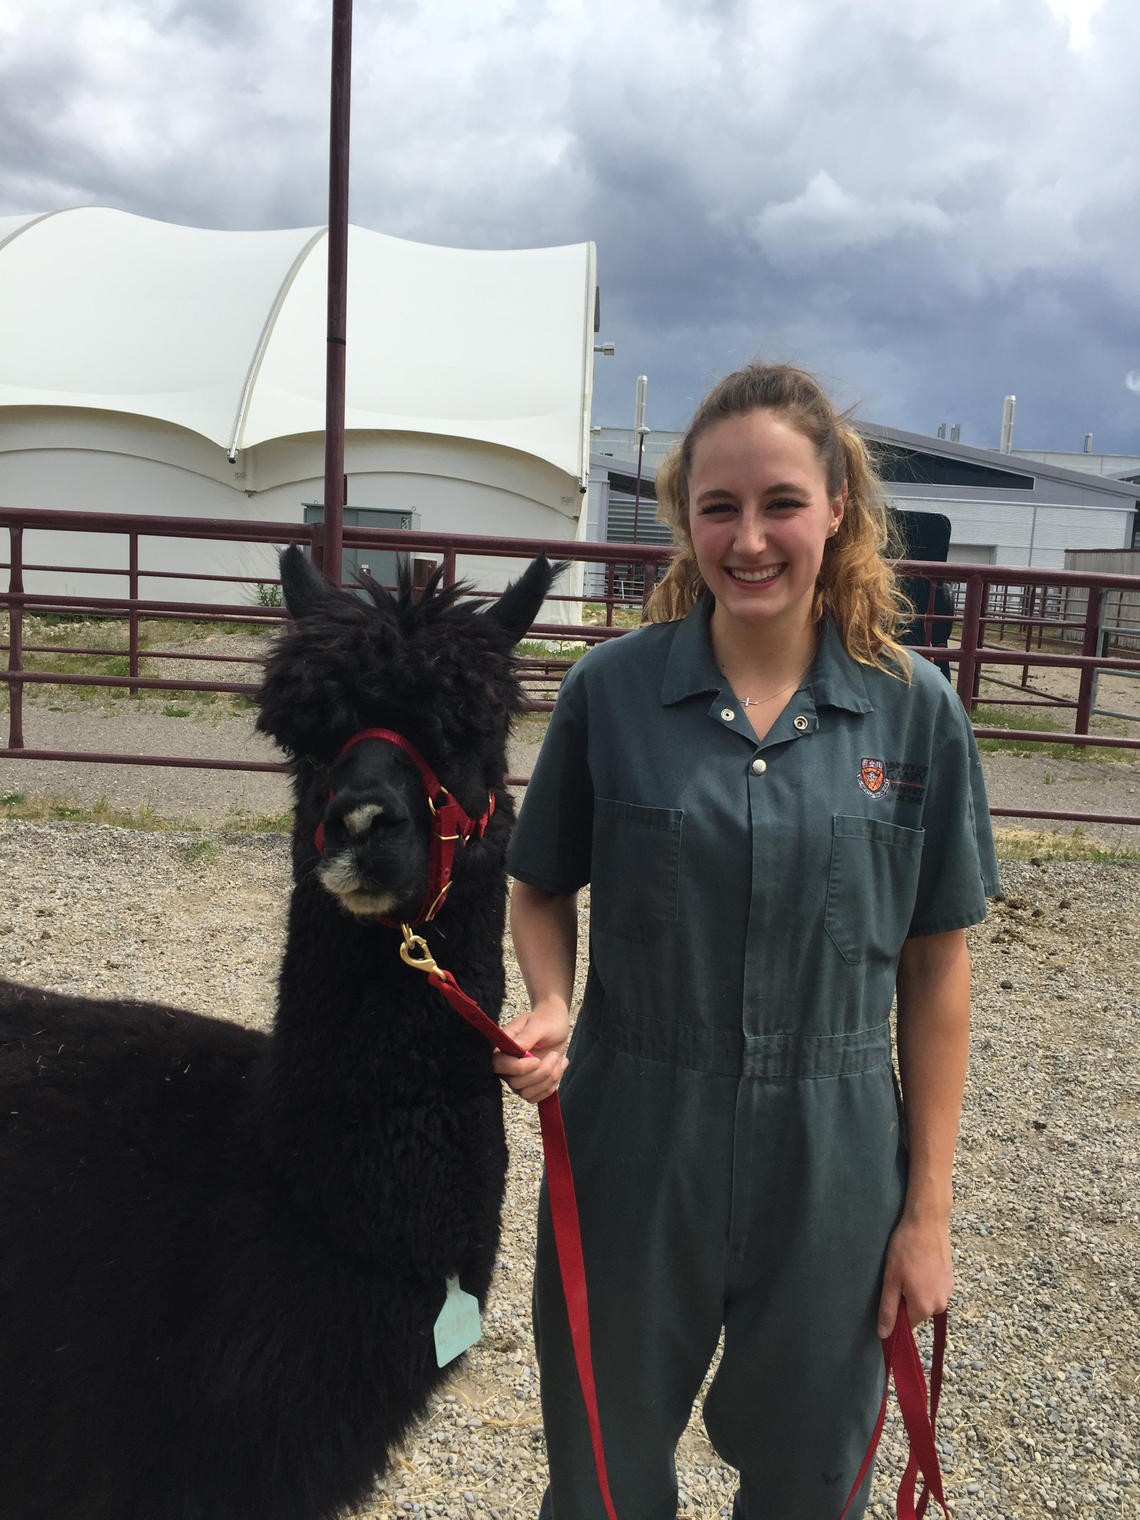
[858, 590]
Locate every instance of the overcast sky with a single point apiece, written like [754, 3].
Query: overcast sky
[930, 204]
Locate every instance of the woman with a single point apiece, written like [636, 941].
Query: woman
[783, 824]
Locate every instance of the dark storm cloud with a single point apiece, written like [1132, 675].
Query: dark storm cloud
[930, 206]
[930, 213]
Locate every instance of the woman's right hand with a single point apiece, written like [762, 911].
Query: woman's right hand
[545, 1033]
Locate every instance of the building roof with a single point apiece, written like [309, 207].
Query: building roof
[974, 468]
[1103, 489]
[223, 333]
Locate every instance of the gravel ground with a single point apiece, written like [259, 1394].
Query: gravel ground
[1041, 1411]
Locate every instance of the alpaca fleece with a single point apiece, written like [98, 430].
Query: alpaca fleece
[223, 1253]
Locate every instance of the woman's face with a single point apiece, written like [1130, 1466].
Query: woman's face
[760, 516]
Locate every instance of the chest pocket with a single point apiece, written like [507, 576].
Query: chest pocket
[871, 886]
[634, 869]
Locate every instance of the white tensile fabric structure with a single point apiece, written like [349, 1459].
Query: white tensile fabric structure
[147, 367]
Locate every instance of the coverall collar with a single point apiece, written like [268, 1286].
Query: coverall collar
[836, 680]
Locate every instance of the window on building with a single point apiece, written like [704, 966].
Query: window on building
[894, 462]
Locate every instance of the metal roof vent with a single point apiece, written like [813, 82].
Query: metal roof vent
[1008, 408]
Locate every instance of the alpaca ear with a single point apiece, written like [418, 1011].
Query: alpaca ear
[303, 588]
[518, 606]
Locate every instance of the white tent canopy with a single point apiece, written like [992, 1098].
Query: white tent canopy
[223, 333]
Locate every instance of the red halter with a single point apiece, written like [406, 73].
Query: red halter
[450, 825]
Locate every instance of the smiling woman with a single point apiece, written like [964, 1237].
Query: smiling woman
[801, 809]
[760, 517]
[767, 437]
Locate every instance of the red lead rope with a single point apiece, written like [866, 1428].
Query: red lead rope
[900, 1353]
[560, 1187]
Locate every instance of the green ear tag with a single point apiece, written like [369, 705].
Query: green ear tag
[458, 1324]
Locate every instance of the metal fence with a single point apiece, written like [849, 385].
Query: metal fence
[980, 620]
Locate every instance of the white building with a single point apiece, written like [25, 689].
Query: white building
[151, 368]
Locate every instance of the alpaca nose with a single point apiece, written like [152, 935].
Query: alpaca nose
[358, 822]
[371, 820]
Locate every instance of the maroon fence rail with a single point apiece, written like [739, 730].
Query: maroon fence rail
[985, 602]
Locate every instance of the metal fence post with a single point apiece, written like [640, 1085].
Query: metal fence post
[1090, 645]
[971, 621]
[133, 615]
[16, 638]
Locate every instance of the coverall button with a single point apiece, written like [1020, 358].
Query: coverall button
[800, 722]
[727, 714]
[759, 766]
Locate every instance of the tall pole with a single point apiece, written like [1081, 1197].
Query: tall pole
[637, 491]
[641, 430]
[339, 115]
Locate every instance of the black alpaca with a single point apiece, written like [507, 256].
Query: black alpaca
[222, 1254]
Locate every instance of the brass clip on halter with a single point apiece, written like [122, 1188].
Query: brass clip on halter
[414, 952]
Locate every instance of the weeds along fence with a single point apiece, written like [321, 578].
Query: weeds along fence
[1002, 625]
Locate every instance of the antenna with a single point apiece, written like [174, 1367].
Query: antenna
[956, 433]
[942, 430]
[639, 404]
[1088, 443]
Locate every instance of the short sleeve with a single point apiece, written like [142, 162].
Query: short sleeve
[551, 845]
[958, 869]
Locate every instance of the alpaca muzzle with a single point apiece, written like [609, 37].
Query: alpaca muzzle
[450, 826]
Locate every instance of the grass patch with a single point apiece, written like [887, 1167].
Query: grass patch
[1003, 717]
[163, 631]
[53, 809]
[63, 620]
[1032, 844]
[176, 698]
[93, 664]
[551, 649]
[260, 823]
[200, 852]
[45, 808]
[624, 617]
[1008, 717]
[101, 663]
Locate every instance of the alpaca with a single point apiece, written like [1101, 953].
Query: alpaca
[222, 1253]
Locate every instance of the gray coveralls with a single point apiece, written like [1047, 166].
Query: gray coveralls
[730, 1103]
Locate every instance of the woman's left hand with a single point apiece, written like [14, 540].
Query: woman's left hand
[919, 1269]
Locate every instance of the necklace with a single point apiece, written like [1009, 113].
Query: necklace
[772, 695]
[759, 701]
